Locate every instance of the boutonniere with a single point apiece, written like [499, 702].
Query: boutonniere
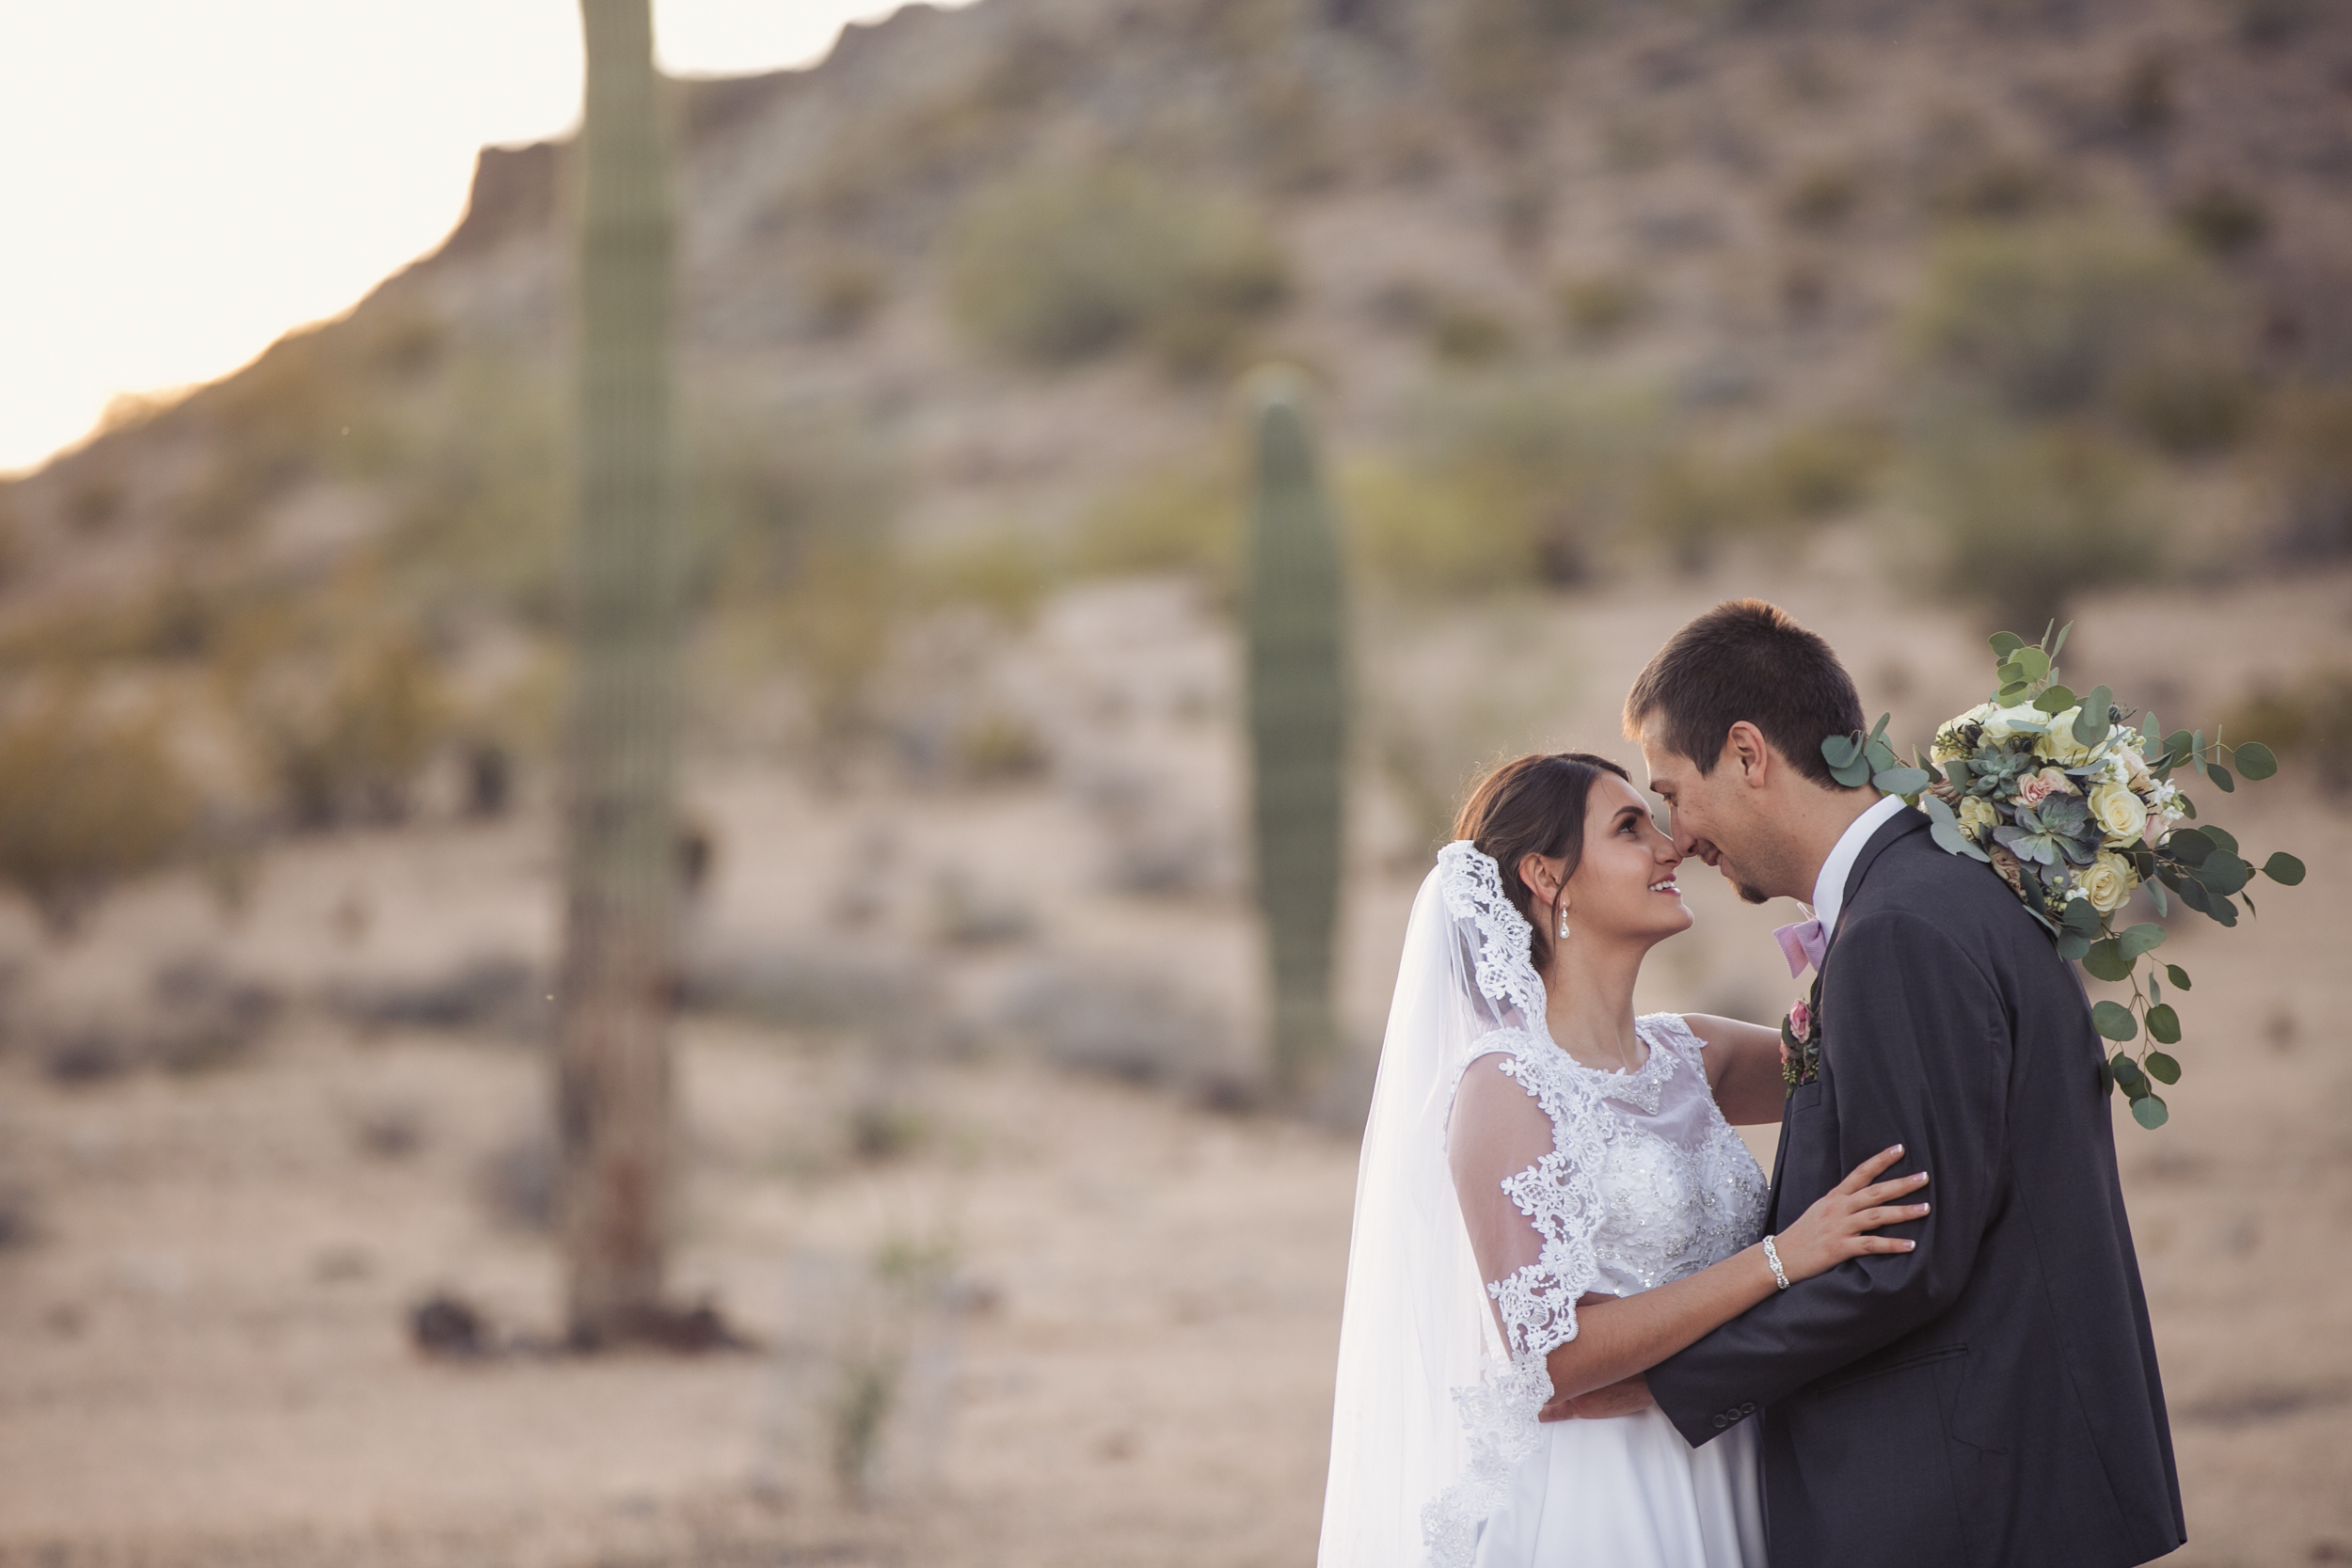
[1801, 1041]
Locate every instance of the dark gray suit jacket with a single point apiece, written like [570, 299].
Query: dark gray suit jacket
[1991, 1398]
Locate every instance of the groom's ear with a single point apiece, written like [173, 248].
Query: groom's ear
[1746, 750]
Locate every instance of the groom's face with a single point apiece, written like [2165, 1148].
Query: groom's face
[1703, 810]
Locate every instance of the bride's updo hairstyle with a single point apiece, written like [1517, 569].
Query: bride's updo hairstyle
[1534, 805]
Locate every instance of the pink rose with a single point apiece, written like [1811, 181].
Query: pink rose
[2039, 787]
[1801, 1022]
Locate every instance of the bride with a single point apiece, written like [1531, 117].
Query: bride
[1551, 1199]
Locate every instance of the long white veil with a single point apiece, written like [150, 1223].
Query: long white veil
[1417, 1326]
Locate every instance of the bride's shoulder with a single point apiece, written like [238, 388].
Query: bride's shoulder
[1681, 1032]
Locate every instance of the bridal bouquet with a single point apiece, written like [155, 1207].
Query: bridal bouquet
[2077, 810]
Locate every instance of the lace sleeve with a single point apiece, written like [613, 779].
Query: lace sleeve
[1524, 1151]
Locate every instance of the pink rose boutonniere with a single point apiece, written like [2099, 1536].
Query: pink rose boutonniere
[1801, 1041]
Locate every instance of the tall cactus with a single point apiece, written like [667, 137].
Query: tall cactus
[1297, 725]
[612, 1066]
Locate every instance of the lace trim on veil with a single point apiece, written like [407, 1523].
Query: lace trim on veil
[1558, 1195]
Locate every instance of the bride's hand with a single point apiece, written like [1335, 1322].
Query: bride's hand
[1839, 1225]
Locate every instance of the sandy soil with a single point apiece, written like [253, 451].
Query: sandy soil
[206, 1359]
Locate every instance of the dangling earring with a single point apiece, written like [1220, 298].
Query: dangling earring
[1564, 922]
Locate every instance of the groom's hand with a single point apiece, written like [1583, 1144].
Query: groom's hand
[1629, 1397]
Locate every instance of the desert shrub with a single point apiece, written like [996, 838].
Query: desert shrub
[2309, 723]
[1690, 502]
[1500, 58]
[345, 730]
[2060, 319]
[87, 799]
[843, 293]
[1555, 466]
[1823, 199]
[1064, 267]
[2223, 218]
[1598, 306]
[2189, 401]
[480, 515]
[1816, 471]
[1996, 188]
[2025, 515]
[1185, 517]
[1430, 535]
[1462, 332]
[2308, 457]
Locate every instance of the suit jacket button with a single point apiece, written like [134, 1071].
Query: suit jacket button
[1722, 1421]
[1747, 1410]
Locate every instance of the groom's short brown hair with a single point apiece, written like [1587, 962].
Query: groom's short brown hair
[1747, 660]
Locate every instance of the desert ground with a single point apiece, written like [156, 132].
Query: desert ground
[1104, 1285]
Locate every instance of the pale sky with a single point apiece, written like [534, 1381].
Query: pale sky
[182, 181]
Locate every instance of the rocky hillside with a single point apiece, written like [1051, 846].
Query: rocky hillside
[1596, 288]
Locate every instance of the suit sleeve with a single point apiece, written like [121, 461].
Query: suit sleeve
[1916, 1043]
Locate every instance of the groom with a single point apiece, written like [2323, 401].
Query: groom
[1991, 1398]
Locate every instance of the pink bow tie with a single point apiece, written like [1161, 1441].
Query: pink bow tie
[1804, 942]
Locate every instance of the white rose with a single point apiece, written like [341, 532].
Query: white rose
[2134, 768]
[2106, 881]
[2000, 724]
[2059, 745]
[1977, 815]
[1952, 726]
[2120, 813]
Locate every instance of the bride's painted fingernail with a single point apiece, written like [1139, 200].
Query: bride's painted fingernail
[1908, 1245]
[1895, 1148]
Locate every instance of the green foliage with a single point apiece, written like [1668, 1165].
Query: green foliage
[1464, 333]
[1817, 471]
[2068, 318]
[1182, 518]
[1064, 267]
[1296, 620]
[86, 799]
[2308, 457]
[1823, 199]
[1599, 306]
[2310, 721]
[1437, 535]
[2024, 516]
[2222, 218]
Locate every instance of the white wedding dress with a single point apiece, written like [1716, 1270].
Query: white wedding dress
[1618, 1182]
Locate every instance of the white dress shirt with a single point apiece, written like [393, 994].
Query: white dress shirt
[1829, 889]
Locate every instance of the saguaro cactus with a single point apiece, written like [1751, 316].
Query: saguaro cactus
[1297, 725]
[612, 1068]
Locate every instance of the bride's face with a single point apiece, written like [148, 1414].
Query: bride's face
[1625, 884]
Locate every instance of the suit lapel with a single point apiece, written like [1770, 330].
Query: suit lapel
[1900, 825]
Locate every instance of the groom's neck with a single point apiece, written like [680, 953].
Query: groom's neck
[1818, 820]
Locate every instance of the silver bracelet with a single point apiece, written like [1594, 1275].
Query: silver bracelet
[1771, 1256]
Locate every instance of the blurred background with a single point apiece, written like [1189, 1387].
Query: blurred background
[997, 1229]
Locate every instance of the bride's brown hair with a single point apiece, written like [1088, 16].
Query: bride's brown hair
[1532, 805]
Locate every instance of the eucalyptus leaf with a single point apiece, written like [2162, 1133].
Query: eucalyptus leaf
[2033, 661]
[1945, 829]
[2223, 910]
[2011, 692]
[2114, 1020]
[2256, 760]
[2005, 643]
[2161, 1068]
[2224, 873]
[2179, 977]
[1882, 755]
[2220, 836]
[1839, 751]
[2220, 777]
[2164, 1025]
[2146, 937]
[2107, 1077]
[2127, 1074]
[2073, 945]
[2188, 846]
[2155, 895]
[2055, 700]
[2081, 918]
[2283, 869]
[2054, 647]
[2011, 674]
[2105, 962]
[1902, 780]
[2091, 725]
[2149, 1112]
